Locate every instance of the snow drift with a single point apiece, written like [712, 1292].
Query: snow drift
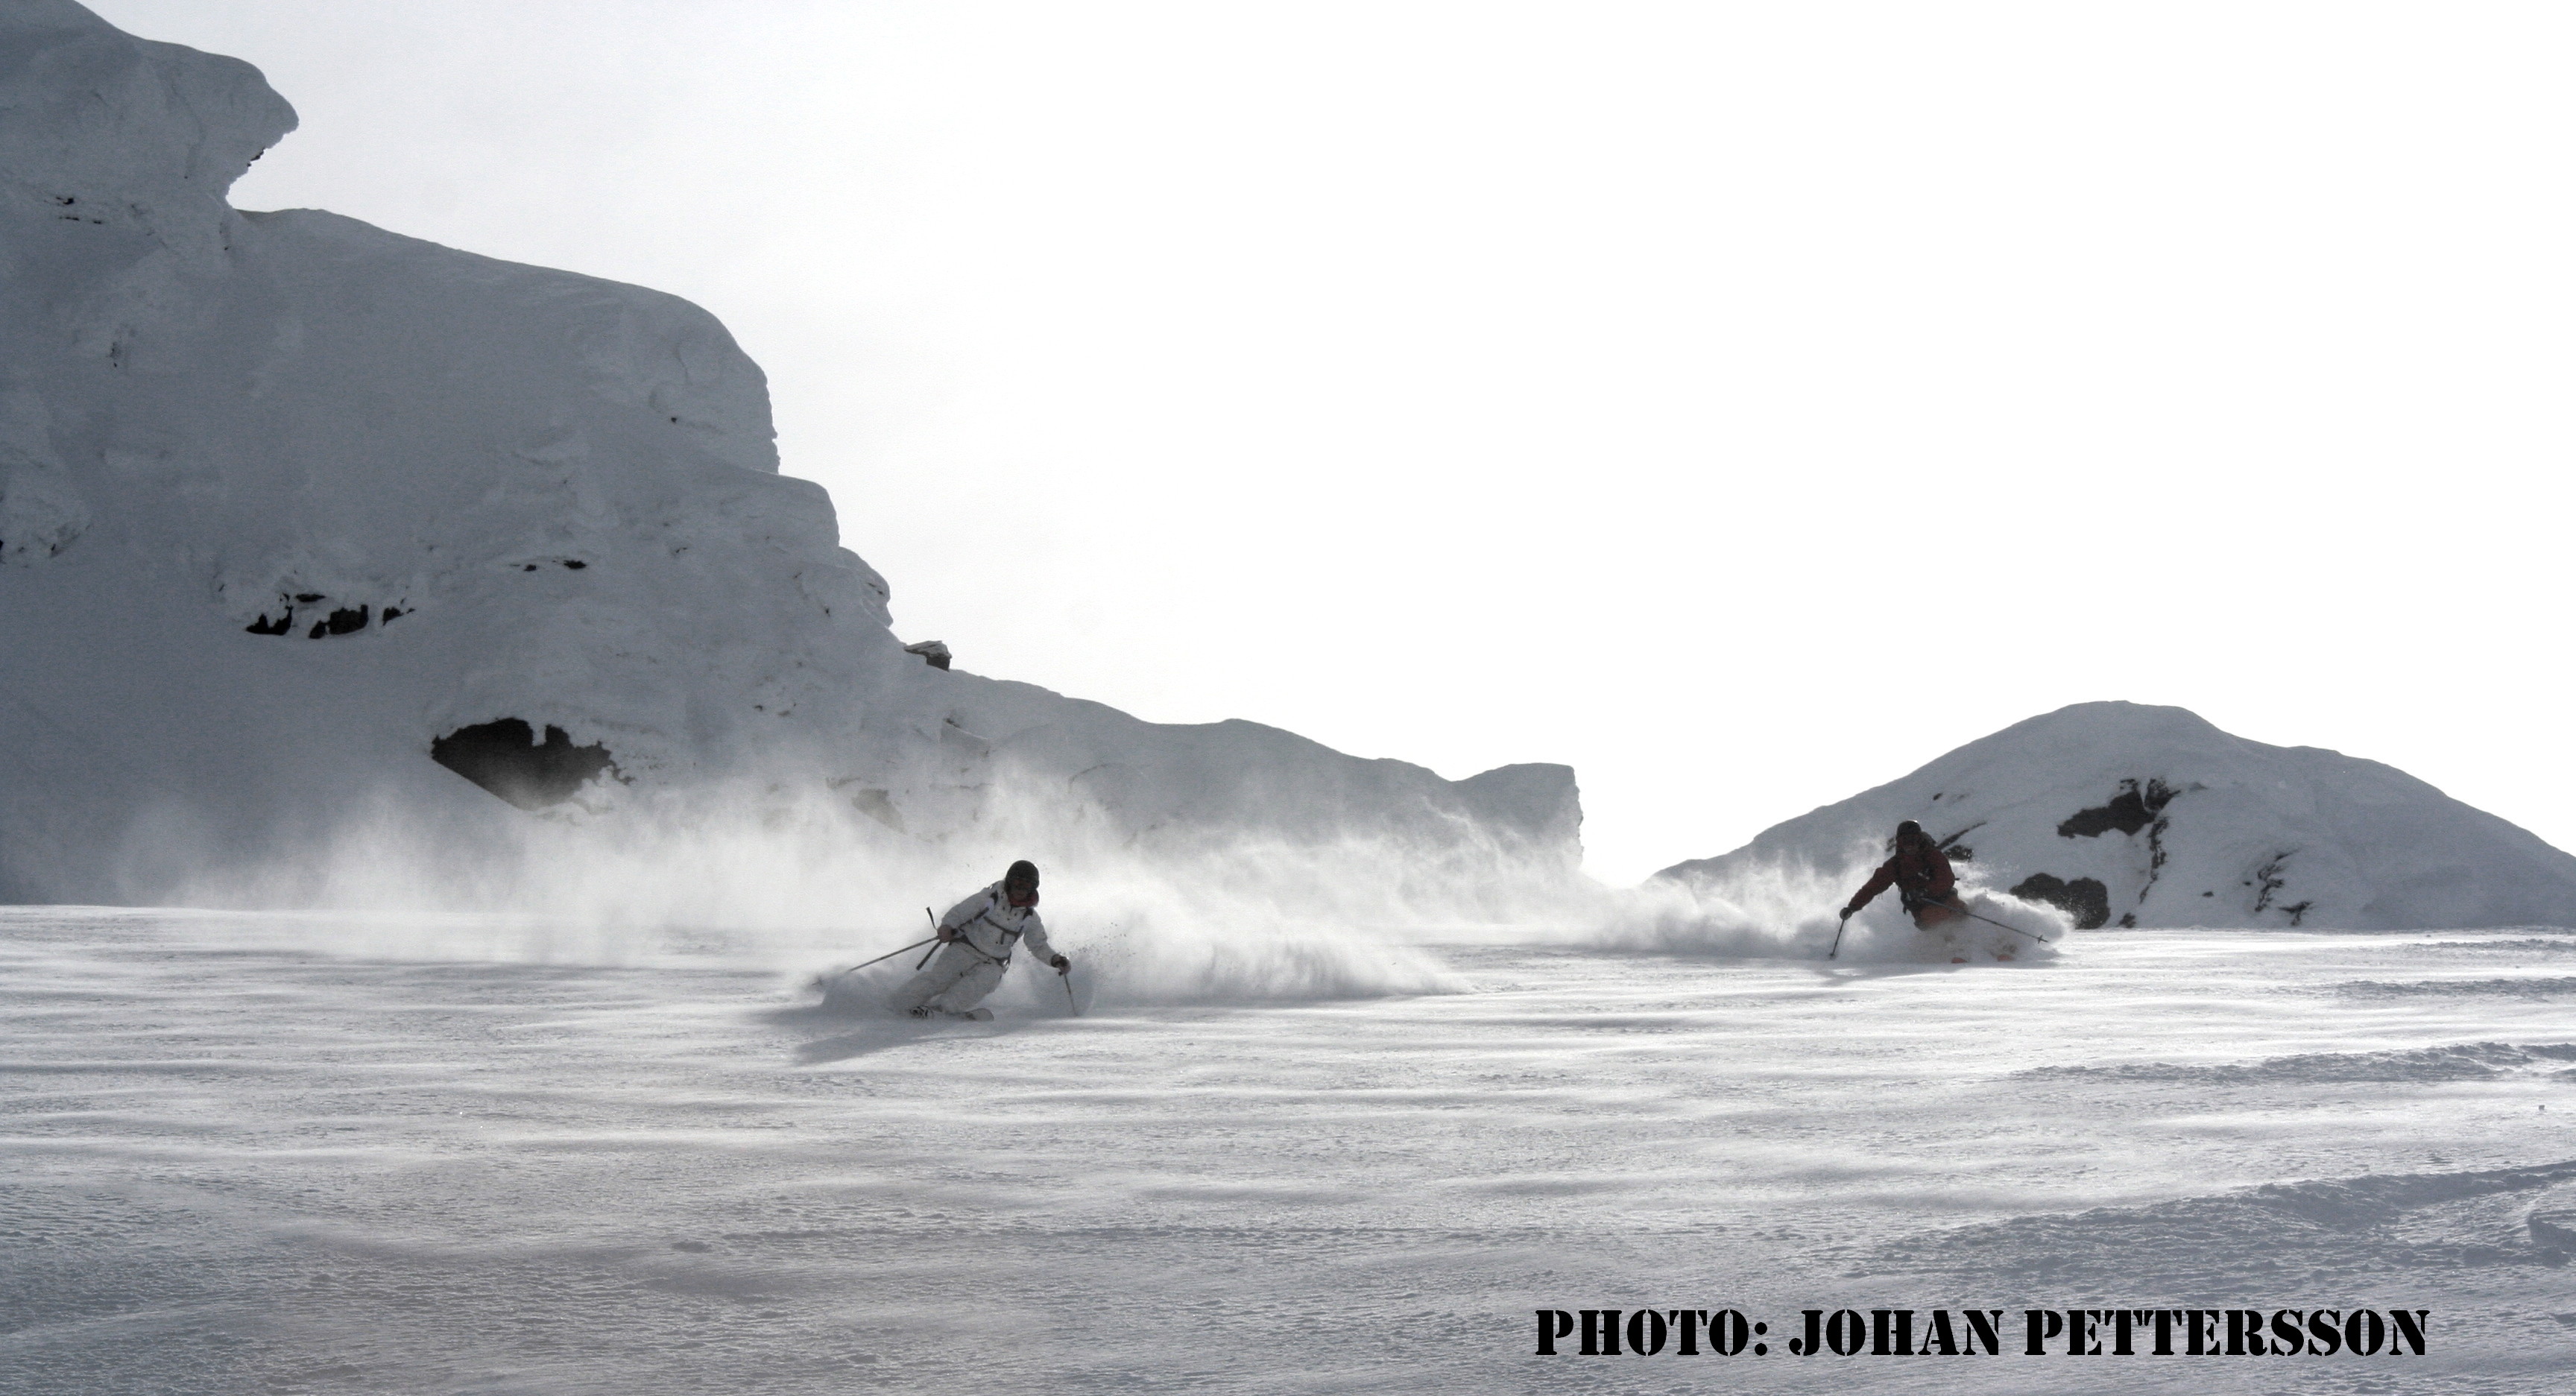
[2129, 815]
[316, 539]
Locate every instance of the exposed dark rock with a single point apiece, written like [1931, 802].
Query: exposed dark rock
[1951, 848]
[2129, 811]
[2272, 881]
[2156, 854]
[387, 618]
[933, 653]
[576, 564]
[2085, 898]
[504, 757]
[343, 620]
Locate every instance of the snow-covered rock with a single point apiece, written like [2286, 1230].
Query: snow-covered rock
[2130, 815]
[287, 501]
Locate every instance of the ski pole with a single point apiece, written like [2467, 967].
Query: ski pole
[1067, 977]
[863, 964]
[934, 927]
[1839, 927]
[2016, 930]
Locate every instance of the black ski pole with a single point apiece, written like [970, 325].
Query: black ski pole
[1839, 926]
[1066, 974]
[863, 964]
[2016, 930]
[934, 926]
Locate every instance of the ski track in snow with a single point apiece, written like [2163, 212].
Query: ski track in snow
[236, 1162]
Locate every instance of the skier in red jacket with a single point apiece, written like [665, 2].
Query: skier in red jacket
[1922, 878]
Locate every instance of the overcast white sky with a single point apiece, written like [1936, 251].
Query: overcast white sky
[1742, 403]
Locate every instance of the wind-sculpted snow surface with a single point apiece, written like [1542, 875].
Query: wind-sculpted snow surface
[2127, 815]
[289, 503]
[2216, 1245]
[334, 1153]
[2467, 1061]
[2563, 986]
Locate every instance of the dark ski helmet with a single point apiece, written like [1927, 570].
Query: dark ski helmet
[1909, 830]
[1020, 884]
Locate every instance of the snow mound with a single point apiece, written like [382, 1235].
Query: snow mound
[2129, 815]
[2559, 987]
[2367, 1226]
[2467, 1061]
[315, 539]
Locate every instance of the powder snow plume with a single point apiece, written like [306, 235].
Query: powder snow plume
[798, 886]
[1790, 910]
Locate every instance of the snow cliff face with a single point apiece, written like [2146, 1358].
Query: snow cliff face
[288, 502]
[2127, 815]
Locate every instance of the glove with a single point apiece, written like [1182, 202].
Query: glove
[1850, 911]
[947, 934]
[1061, 964]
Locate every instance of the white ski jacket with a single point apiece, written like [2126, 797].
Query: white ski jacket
[990, 926]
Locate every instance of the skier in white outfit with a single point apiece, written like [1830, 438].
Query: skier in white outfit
[977, 937]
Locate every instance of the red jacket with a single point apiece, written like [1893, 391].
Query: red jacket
[1920, 877]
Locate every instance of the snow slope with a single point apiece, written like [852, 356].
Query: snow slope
[240, 1161]
[285, 499]
[2133, 815]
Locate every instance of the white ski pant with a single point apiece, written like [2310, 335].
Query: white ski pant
[956, 979]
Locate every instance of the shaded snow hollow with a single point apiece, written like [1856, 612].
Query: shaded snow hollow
[287, 501]
[2130, 815]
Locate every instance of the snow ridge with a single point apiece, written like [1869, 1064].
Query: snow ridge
[2467, 1061]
